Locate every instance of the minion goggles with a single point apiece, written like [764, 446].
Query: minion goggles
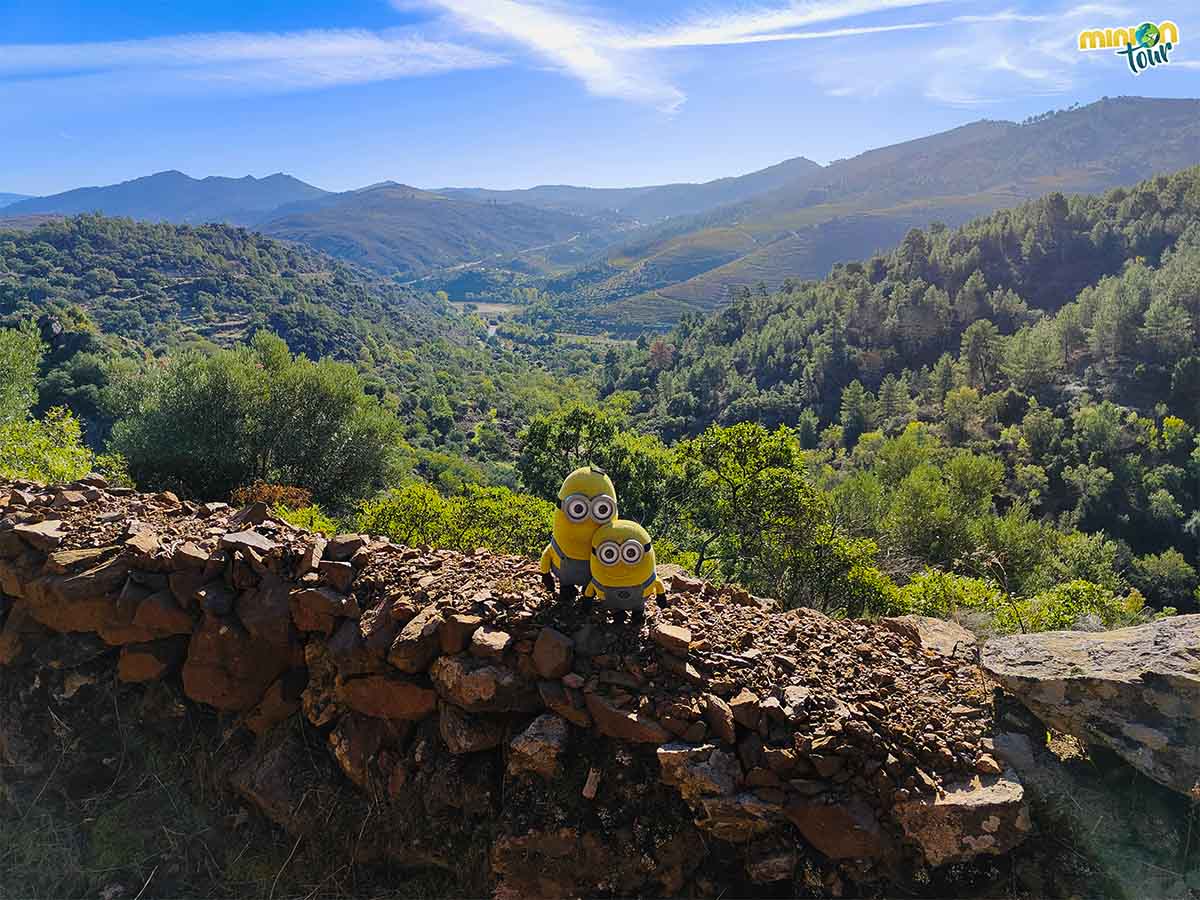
[630, 552]
[578, 507]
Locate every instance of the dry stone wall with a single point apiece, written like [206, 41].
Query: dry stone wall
[722, 735]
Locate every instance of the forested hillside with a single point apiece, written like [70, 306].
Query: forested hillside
[1051, 298]
[997, 423]
[854, 207]
[114, 297]
[398, 229]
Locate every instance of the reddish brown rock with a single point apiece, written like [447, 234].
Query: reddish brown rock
[143, 545]
[266, 611]
[44, 536]
[417, 643]
[699, 771]
[629, 726]
[480, 686]
[352, 654]
[160, 614]
[338, 575]
[319, 701]
[248, 541]
[746, 709]
[215, 598]
[82, 602]
[21, 632]
[939, 636]
[455, 633]
[986, 814]
[343, 546]
[310, 559]
[844, 829]
[281, 700]
[320, 605]
[151, 661]
[184, 583]
[227, 667]
[539, 749]
[189, 556]
[719, 717]
[467, 733]
[672, 638]
[387, 697]
[567, 702]
[357, 744]
[553, 653]
[490, 643]
[63, 562]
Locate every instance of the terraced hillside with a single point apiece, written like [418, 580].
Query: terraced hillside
[855, 207]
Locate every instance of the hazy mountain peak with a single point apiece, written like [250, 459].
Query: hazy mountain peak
[174, 196]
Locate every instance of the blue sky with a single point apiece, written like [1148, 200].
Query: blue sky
[511, 93]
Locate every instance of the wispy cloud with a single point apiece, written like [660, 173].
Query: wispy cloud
[992, 57]
[257, 61]
[771, 23]
[575, 43]
[613, 60]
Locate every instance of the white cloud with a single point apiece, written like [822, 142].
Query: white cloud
[989, 58]
[618, 61]
[575, 43]
[258, 61]
[768, 23]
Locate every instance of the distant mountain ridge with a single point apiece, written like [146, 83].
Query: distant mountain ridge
[652, 203]
[855, 207]
[396, 228]
[9, 199]
[172, 196]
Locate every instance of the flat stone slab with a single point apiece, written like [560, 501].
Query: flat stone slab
[1133, 690]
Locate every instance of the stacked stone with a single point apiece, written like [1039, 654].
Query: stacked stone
[866, 738]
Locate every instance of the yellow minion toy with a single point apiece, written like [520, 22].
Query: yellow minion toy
[623, 567]
[586, 501]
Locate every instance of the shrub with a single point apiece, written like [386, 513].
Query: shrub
[285, 495]
[209, 424]
[944, 595]
[496, 518]
[1071, 605]
[311, 517]
[50, 449]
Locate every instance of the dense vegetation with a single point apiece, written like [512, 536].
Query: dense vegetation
[997, 423]
[115, 297]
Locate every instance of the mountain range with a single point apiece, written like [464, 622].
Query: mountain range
[629, 258]
[174, 197]
[852, 208]
[9, 199]
[649, 204]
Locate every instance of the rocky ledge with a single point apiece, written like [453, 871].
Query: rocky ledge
[721, 742]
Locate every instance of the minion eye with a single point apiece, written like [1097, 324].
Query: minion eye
[609, 553]
[576, 507]
[631, 552]
[603, 508]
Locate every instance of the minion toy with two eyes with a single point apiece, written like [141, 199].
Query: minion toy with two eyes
[587, 500]
[624, 571]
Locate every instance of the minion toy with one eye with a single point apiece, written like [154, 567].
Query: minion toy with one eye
[623, 567]
[586, 501]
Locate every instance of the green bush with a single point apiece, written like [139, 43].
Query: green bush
[944, 595]
[210, 424]
[1072, 605]
[50, 449]
[311, 517]
[496, 518]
